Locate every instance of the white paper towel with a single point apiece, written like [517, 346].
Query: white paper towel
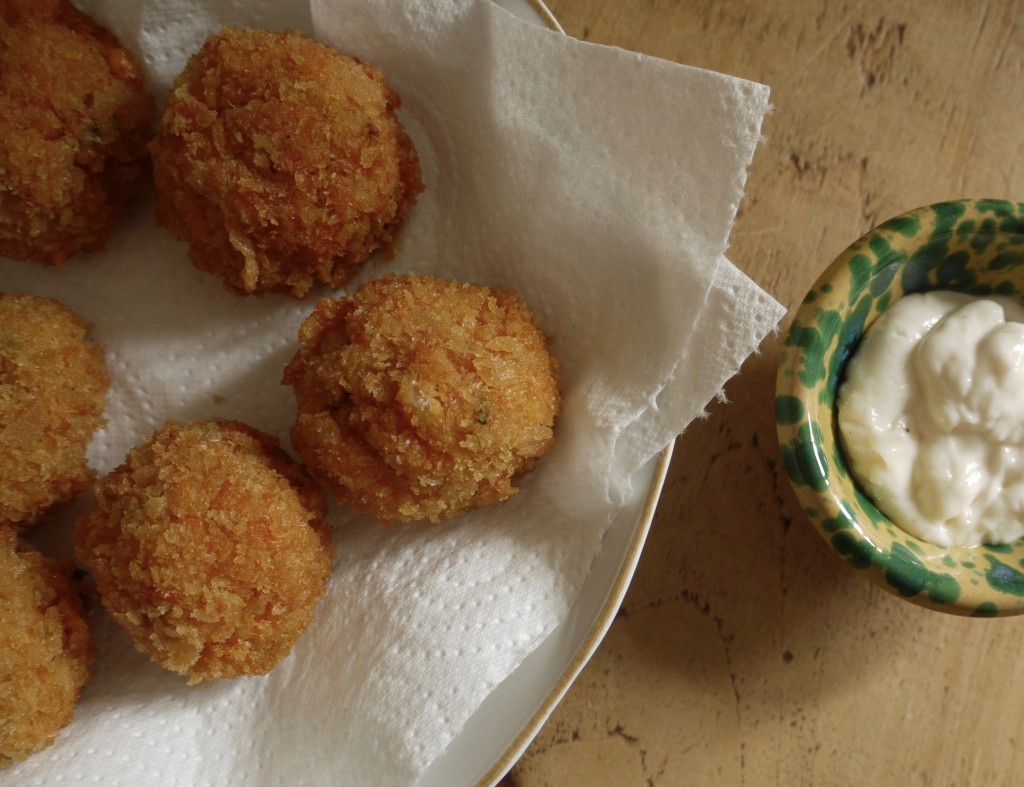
[599, 184]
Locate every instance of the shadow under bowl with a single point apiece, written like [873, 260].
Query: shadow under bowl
[971, 246]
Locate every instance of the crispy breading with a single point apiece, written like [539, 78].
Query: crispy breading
[421, 398]
[209, 546]
[74, 124]
[46, 648]
[281, 162]
[53, 387]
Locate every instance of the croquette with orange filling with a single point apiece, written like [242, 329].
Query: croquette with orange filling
[46, 648]
[74, 124]
[420, 398]
[208, 546]
[53, 387]
[281, 162]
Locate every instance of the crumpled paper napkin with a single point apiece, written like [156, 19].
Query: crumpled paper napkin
[599, 184]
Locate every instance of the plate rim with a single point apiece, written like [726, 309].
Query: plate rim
[546, 16]
[623, 577]
[598, 629]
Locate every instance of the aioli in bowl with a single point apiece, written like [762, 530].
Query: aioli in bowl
[931, 417]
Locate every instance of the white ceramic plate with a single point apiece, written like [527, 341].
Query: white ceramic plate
[500, 730]
[497, 734]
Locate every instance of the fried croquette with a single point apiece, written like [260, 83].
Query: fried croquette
[46, 648]
[420, 398]
[74, 124]
[281, 162]
[53, 388]
[209, 546]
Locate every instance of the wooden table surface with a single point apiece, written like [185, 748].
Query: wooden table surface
[746, 652]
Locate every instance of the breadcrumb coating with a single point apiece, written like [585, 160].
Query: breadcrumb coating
[421, 398]
[281, 162]
[53, 387]
[74, 124]
[209, 546]
[46, 648]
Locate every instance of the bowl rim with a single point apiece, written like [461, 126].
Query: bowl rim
[879, 559]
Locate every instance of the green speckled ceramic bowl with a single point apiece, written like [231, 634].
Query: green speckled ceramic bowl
[974, 246]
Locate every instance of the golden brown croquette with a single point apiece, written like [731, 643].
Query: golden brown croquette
[74, 124]
[209, 546]
[281, 162]
[421, 398]
[46, 648]
[53, 387]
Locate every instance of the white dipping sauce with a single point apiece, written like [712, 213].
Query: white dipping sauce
[932, 417]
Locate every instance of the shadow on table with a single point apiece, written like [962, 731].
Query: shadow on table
[731, 541]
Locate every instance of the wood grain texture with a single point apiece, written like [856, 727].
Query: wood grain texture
[745, 652]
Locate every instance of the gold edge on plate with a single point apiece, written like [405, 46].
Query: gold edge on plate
[596, 632]
[615, 594]
[545, 14]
